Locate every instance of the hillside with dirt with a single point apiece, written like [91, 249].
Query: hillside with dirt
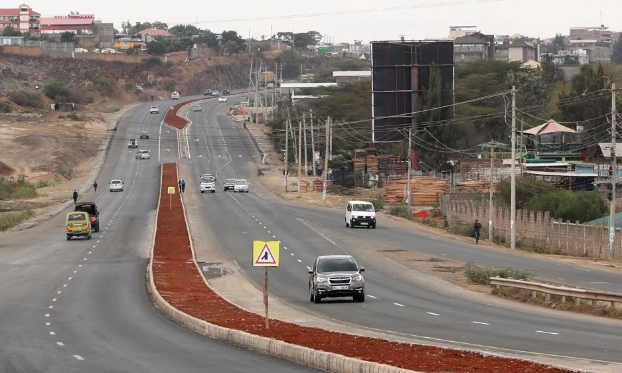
[53, 152]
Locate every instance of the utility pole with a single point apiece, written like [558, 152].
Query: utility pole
[410, 162]
[299, 156]
[312, 144]
[492, 145]
[285, 171]
[304, 129]
[513, 175]
[614, 174]
[325, 171]
[330, 140]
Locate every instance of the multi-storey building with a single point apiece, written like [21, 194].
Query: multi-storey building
[22, 19]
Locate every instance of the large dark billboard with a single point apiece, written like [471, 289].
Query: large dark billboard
[400, 72]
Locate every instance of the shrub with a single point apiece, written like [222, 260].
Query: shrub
[482, 275]
[400, 210]
[526, 189]
[5, 107]
[27, 99]
[79, 95]
[378, 204]
[16, 189]
[10, 220]
[106, 87]
[54, 89]
[168, 85]
[153, 61]
[566, 205]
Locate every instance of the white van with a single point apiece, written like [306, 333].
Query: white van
[175, 95]
[360, 213]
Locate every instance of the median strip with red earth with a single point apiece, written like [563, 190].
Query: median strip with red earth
[180, 283]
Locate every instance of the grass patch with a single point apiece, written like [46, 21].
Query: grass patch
[401, 210]
[482, 275]
[11, 188]
[584, 306]
[12, 219]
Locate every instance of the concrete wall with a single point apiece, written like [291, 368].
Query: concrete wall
[538, 231]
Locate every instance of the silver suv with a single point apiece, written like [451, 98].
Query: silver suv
[336, 276]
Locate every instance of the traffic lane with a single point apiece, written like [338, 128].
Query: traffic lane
[408, 237]
[438, 316]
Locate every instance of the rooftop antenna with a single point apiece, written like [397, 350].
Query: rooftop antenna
[601, 19]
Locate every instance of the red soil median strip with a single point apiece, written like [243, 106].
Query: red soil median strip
[172, 119]
[179, 282]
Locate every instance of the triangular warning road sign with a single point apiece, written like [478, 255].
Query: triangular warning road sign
[265, 256]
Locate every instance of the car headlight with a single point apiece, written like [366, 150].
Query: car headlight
[357, 278]
[321, 279]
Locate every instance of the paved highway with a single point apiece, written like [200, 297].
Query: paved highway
[82, 306]
[398, 300]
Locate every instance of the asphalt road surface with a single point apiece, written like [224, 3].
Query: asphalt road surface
[82, 305]
[398, 300]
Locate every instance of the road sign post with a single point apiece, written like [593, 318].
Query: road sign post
[171, 191]
[266, 254]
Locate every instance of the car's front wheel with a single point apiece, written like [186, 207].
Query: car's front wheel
[359, 297]
[351, 223]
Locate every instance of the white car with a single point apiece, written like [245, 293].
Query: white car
[197, 108]
[116, 185]
[222, 99]
[360, 213]
[142, 154]
[154, 110]
[175, 96]
[208, 183]
[241, 185]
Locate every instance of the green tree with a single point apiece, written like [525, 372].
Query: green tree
[159, 25]
[588, 101]
[479, 79]
[156, 47]
[569, 206]
[231, 42]
[550, 72]
[56, 89]
[186, 31]
[616, 54]
[559, 40]
[10, 31]
[209, 38]
[303, 41]
[532, 90]
[526, 189]
[438, 137]
[68, 37]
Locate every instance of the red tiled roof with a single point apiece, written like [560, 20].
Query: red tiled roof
[15, 12]
[154, 32]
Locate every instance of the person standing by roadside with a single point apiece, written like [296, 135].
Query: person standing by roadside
[477, 227]
[183, 186]
[95, 186]
[180, 186]
[75, 196]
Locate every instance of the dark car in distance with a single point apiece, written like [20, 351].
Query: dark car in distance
[91, 209]
[228, 184]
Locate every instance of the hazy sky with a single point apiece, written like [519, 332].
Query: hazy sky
[349, 20]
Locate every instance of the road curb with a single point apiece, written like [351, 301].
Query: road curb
[298, 354]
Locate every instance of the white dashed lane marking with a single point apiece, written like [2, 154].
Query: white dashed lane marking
[543, 332]
[433, 314]
[480, 323]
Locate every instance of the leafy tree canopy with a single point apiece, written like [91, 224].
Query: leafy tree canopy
[10, 31]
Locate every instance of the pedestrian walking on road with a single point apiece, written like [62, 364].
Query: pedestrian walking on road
[477, 227]
[75, 196]
[95, 186]
[180, 186]
[183, 186]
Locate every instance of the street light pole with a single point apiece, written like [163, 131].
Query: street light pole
[614, 174]
[513, 175]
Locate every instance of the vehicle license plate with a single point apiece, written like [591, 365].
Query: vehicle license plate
[340, 287]
[363, 223]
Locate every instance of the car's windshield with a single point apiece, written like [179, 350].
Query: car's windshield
[230, 181]
[363, 207]
[336, 265]
[76, 217]
[240, 182]
[207, 179]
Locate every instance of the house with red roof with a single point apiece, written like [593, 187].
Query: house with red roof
[22, 19]
[151, 34]
[78, 23]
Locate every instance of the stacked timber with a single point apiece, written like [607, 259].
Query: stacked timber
[478, 186]
[425, 190]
